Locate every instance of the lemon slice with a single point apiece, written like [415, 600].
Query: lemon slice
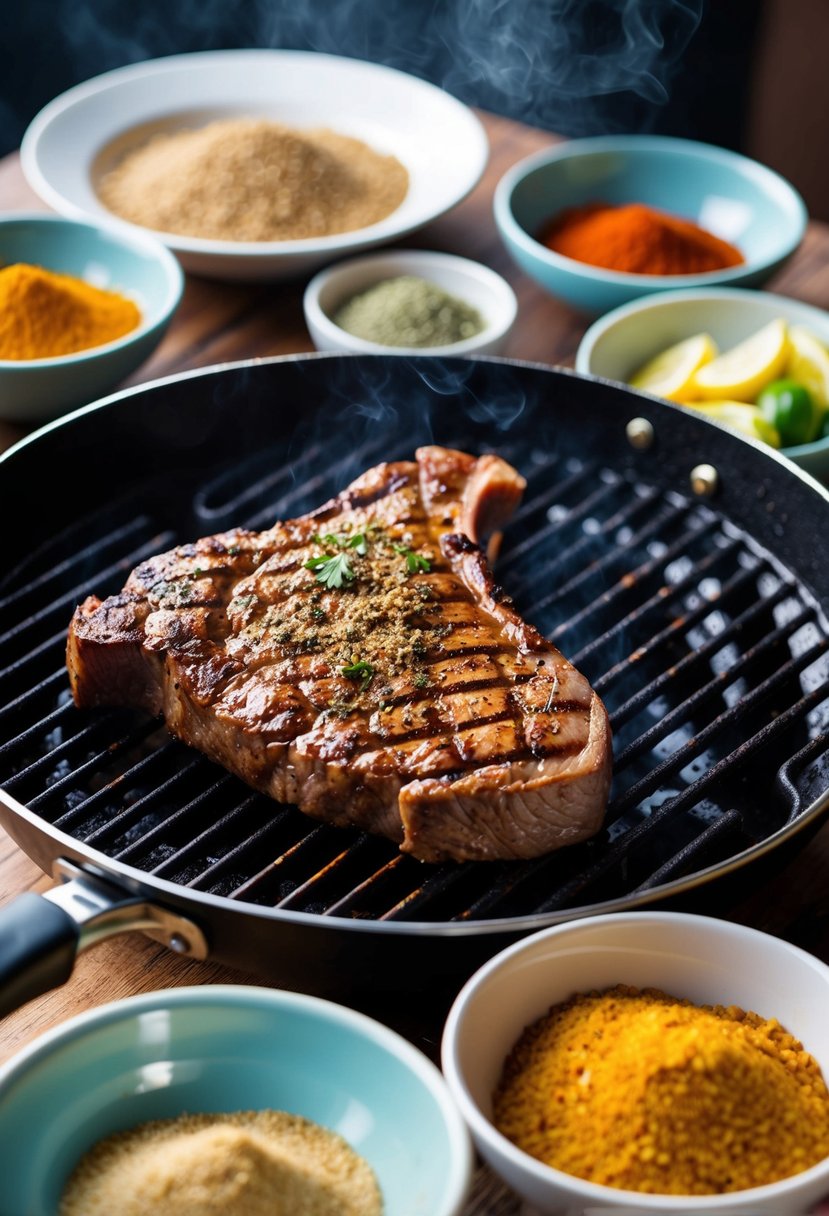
[671, 373]
[809, 364]
[744, 418]
[740, 373]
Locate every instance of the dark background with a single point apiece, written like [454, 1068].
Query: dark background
[574, 66]
[746, 74]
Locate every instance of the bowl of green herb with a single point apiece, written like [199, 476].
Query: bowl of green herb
[410, 302]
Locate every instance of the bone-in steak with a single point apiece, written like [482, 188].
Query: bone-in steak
[361, 663]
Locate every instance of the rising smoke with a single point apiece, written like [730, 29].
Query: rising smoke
[576, 66]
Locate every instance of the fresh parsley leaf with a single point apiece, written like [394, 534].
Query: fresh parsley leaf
[359, 543]
[331, 571]
[359, 671]
[415, 562]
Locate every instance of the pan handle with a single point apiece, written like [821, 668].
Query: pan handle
[41, 935]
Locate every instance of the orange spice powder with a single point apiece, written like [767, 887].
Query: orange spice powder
[637, 239]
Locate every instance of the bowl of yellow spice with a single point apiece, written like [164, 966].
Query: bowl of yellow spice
[649, 1062]
[228, 1100]
[81, 307]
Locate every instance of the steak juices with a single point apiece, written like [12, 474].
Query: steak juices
[360, 662]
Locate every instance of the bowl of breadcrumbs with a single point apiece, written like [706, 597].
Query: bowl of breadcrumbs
[228, 1101]
[256, 164]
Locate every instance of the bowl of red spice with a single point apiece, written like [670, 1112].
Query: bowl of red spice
[600, 221]
[81, 307]
[648, 1062]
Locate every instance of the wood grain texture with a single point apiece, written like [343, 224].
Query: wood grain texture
[219, 322]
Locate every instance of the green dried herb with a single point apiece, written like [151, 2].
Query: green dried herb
[409, 311]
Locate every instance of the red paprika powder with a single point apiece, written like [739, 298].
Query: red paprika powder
[637, 239]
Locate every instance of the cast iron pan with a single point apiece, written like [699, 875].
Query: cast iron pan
[685, 570]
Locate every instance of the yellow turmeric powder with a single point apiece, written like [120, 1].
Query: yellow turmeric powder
[641, 1091]
[43, 315]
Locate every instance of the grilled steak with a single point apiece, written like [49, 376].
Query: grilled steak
[361, 663]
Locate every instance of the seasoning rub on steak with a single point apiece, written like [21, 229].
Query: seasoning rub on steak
[361, 663]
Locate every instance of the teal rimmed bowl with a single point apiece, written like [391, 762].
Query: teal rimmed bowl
[738, 199]
[139, 267]
[225, 1048]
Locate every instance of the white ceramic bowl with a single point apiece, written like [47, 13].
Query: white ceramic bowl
[620, 342]
[225, 1048]
[132, 263]
[469, 281]
[437, 138]
[705, 960]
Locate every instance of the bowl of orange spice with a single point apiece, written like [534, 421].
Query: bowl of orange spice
[81, 307]
[648, 1063]
[603, 220]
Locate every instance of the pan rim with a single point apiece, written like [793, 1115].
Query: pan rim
[148, 883]
[337, 356]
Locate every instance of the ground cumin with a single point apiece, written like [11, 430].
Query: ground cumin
[44, 315]
[247, 179]
[638, 1090]
[637, 239]
[248, 1163]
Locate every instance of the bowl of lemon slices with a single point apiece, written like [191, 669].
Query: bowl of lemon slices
[752, 361]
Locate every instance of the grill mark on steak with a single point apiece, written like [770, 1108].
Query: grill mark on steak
[459, 731]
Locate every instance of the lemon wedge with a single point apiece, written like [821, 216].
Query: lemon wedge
[741, 417]
[808, 363]
[671, 373]
[740, 373]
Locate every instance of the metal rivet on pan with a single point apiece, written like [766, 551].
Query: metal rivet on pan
[705, 480]
[179, 944]
[640, 434]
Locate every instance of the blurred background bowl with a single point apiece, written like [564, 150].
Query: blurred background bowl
[227, 1048]
[468, 281]
[704, 960]
[618, 344]
[736, 198]
[77, 137]
[136, 265]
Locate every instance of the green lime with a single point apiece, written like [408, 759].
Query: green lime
[789, 407]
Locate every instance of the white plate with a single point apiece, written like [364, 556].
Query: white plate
[437, 138]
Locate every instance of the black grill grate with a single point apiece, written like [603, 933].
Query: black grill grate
[711, 658]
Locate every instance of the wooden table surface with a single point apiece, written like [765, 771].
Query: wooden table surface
[218, 322]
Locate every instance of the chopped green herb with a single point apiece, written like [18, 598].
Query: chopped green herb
[233, 550]
[358, 542]
[421, 680]
[339, 540]
[415, 563]
[331, 570]
[359, 671]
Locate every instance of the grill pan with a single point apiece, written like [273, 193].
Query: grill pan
[683, 569]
